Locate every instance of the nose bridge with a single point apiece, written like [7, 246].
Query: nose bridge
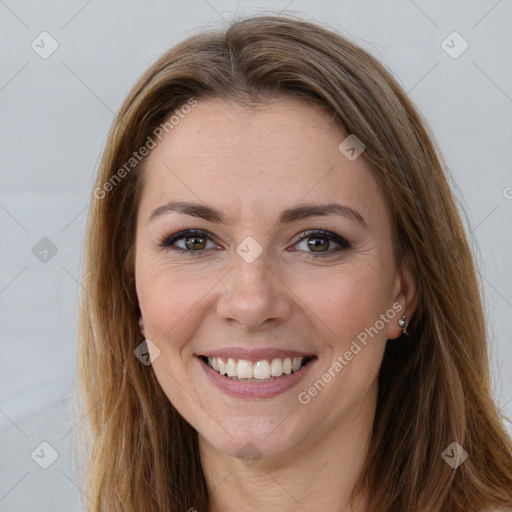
[253, 293]
[252, 279]
[255, 274]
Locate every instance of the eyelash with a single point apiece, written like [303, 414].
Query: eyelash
[169, 240]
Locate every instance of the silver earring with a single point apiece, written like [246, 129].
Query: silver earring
[402, 323]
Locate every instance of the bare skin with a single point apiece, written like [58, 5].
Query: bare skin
[307, 448]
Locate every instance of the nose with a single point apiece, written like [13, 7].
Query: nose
[253, 295]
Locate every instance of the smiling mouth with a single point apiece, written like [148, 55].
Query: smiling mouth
[264, 370]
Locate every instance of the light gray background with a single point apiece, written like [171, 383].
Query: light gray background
[55, 115]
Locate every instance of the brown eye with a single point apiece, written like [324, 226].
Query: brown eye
[321, 243]
[318, 244]
[189, 241]
[195, 242]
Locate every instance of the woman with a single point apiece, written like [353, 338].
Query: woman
[282, 310]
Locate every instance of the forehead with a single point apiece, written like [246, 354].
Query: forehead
[255, 159]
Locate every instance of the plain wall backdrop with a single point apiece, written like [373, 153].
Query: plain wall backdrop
[65, 69]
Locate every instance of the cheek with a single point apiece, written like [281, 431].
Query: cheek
[170, 301]
[344, 301]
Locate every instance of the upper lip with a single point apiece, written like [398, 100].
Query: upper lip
[256, 354]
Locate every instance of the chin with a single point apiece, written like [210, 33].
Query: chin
[255, 438]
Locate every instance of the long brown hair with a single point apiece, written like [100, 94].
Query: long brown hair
[137, 451]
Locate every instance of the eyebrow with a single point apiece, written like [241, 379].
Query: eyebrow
[300, 212]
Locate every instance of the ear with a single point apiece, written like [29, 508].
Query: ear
[405, 295]
[142, 326]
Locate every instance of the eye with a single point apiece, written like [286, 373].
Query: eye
[320, 242]
[189, 241]
[194, 242]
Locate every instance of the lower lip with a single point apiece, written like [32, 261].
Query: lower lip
[240, 389]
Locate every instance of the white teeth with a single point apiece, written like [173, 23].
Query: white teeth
[231, 367]
[258, 371]
[244, 369]
[276, 368]
[261, 370]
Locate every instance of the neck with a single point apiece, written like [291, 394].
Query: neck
[319, 475]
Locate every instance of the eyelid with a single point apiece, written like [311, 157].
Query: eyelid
[321, 232]
[168, 240]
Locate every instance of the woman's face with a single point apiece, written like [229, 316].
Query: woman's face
[245, 288]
